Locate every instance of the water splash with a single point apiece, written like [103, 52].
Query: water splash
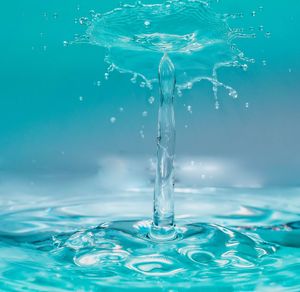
[198, 40]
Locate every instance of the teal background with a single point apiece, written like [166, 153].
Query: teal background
[46, 129]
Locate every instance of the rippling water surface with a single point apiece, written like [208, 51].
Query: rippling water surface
[68, 233]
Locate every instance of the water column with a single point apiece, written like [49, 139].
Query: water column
[163, 216]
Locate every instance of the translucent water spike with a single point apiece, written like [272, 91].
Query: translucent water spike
[163, 217]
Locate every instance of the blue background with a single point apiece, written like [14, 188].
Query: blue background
[45, 128]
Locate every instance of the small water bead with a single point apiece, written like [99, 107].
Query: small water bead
[233, 93]
[81, 98]
[98, 83]
[245, 67]
[65, 43]
[142, 134]
[247, 105]
[121, 109]
[113, 120]
[290, 70]
[264, 62]
[189, 109]
[151, 99]
[268, 35]
[145, 114]
[147, 23]
[83, 20]
[253, 13]
[106, 76]
[55, 15]
[217, 105]
[261, 28]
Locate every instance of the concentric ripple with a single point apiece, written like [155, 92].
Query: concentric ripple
[125, 248]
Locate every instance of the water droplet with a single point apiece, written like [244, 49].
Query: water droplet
[253, 13]
[260, 8]
[144, 114]
[189, 109]
[247, 105]
[98, 83]
[290, 70]
[186, 126]
[106, 76]
[233, 93]
[55, 15]
[264, 62]
[81, 98]
[261, 28]
[113, 120]
[217, 105]
[189, 85]
[45, 48]
[268, 34]
[142, 134]
[245, 67]
[203, 176]
[121, 109]
[151, 99]
[66, 43]
[83, 20]
[147, 23]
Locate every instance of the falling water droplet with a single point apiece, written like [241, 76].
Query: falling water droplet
[151, 99]
[268, 34]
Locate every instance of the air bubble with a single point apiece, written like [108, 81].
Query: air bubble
[113, 120]
[264, 62]
[121, 109]
[81, 98]
[247, 105]
[144, 114]
[189, 109]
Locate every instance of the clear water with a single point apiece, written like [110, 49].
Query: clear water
[59, 234]
[96, 233]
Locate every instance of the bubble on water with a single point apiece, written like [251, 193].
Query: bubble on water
[113, 120]
[151, 99]
[145, 114]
